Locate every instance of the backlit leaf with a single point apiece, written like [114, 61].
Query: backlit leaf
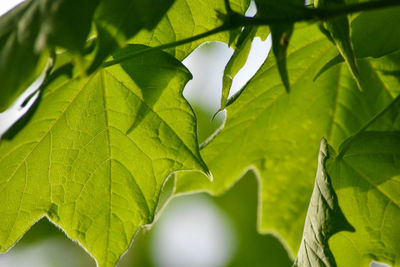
[366, 174]
[75, 163]
[278, 134]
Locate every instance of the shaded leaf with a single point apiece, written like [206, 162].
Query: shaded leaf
[339, 30]
[365, 175]
[187, 18]
[118, 20]
[28, 30]
[75, 164]
[324, 219]
[281, 33]
[280, 40]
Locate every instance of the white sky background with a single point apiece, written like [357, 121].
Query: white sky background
[6, 5]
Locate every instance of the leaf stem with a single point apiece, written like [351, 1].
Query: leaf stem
[235, 20]
[321, 13]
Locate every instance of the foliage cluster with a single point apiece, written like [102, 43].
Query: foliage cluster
[102, 149]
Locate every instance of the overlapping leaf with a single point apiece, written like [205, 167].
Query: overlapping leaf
[239, 58]
[278, 134]
[75, 163]
[324, 219]
[282, 32]
[374, 23]
[338, 31]
[187, 18]
[28, 30]
[366, 174]
[236, 62]
[118, 20]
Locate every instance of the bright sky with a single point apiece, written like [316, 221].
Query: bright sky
[6, 5]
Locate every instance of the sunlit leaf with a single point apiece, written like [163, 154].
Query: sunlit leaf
[75, 163]
[376, 33]
[278, 134]
[366, 174]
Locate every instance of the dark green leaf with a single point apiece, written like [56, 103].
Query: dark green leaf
[119, 20]
[339, 30]
[281, 33]
[27, 31]
[280, 40]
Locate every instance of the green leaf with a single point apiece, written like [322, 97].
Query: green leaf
[376, 33]
[339, 30]
[254, 249]
[74, 163]
[282, 32]
[28, 30]
[237, 61]
[187, 18]
[366, 174]
[118, 20]
[324, 219]
[368, 24]
[278, 134]
[280, 41]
